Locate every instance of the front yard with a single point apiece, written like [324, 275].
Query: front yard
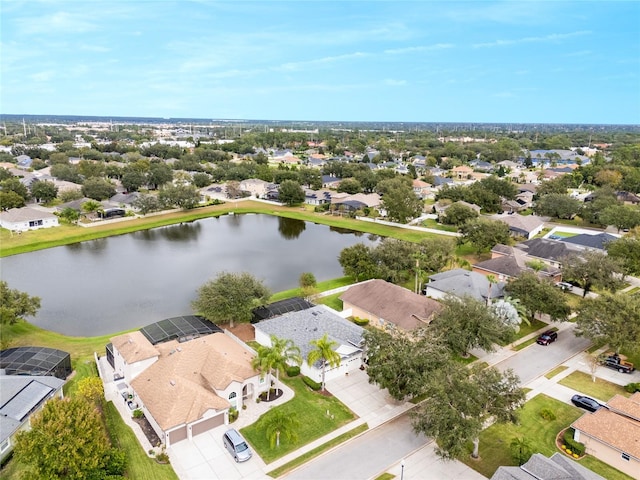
[310, 408]
[541, 434]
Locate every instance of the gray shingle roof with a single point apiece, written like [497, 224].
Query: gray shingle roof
[539, 467]
[460, 282]
[598, 241]
[311, 324]
[547, 249]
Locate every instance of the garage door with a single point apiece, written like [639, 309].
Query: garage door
[206, 425]
[177, 435]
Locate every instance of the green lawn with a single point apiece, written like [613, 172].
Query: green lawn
[139, 465]
[431, 223]
[305, 457]
[310, 409]
[332, 301]
[600, 389]
[556, 371]
[494, 441]
[322, 287]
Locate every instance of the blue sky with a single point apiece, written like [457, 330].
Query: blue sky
[413, 61]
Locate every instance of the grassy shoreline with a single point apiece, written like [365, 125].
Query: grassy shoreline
[13, 244]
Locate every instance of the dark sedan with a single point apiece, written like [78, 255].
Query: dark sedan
[547, 337]
[587, 403]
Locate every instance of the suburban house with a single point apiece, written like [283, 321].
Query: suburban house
[317, 197]
[460, 282]
[312, 324]
[21, 396]
[612, 434]
[557, 467]
[549, 251]
[352, 203]
[527, 226]
[329, 181]
[185, 386]
[389, 306]
[461, 172]
[588, 241]
[27, 218]
[507, 262]
[441, 207]
[256, 187]
[421, 189]
[628, 198]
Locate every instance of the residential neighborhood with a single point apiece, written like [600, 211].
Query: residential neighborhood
[526, 247]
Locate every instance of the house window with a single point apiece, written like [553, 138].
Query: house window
[35, 223]
[5, 445]
[232, 400]
[625, 456]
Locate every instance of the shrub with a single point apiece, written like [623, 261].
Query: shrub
[573, 446]
[632, 387]
[313, 385]
[162, 457]
[233, 414]
[293, 371]
[547, 414]
[361, 321]
[137, 413]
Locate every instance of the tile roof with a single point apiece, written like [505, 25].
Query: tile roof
[626, 406]
[179, 387]
[134, 347]
[617, 431]
[311, 324]
[395, 304]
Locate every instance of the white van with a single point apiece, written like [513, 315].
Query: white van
[236, 445]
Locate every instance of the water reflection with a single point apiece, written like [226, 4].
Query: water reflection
[290, 228]
[128, 281]
[346, 231]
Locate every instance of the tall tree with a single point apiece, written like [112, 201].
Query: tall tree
[558, 205]
[484, 234]
[230, 297]
[592, 268]
[623, 217]
[98, 188]
[435, 253]
[263, 362]
[284, 353]
[67, 440]
[402, 363]
[399, 200]
[324, 353]
[357, 262]
[459, 401]
[466, 323]
[611, 319]
[290, 193]
[44, 191]
[15, 305]
[627, 251]
[539, 296]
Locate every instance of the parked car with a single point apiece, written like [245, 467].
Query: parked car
[566, 286]
[615, 362]
[587, 403]
[236, 445]
[547, 337]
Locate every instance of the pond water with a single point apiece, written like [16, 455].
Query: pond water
[108, 285]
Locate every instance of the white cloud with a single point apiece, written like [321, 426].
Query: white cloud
[322, 61]
[60, 22]
[547, 38]
[422, 48]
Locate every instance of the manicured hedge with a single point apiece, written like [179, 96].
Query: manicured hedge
[313, 385]
[293, 371]
[575, 447]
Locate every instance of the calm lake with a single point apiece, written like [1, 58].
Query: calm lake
[112, 284]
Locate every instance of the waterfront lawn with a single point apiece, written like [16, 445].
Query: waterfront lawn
[310, 408]
[65, 234]
[332, 301]
[321, 286]
[600, 389]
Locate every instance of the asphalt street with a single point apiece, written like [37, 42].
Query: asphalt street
[365, 456]
[536, 360]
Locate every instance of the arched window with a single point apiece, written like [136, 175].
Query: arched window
[232, 395]
[232, 400]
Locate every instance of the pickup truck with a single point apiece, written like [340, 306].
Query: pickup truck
[615, 362]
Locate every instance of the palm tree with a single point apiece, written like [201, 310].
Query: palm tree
[491, 279]
[279, 423]
[283, 353]
[324, 351]
[264, 362]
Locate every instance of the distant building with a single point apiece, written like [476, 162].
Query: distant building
[27, 218]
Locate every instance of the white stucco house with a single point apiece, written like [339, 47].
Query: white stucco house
[312, 324]
[26, 218]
